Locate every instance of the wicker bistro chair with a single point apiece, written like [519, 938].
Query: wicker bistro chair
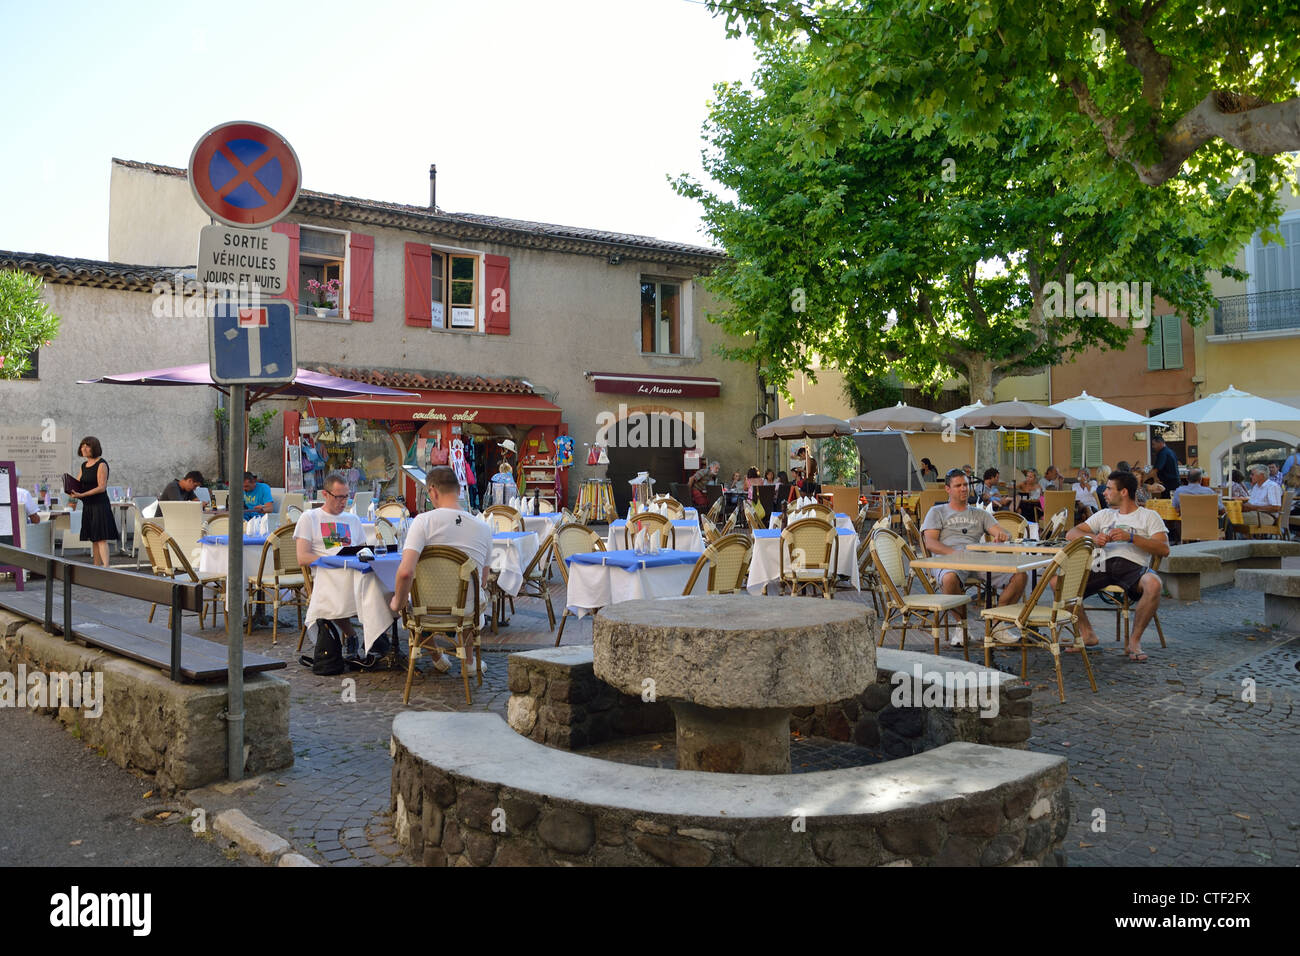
[392, 509]
[1040, 623]
[217, 525]
[813, 546]
[535, 580]
[890, 554]
[1014, 523]
[730, 526]
[676, 510]
[386, 533]
[1116, 597]
[277, 571]
[572, 539]
[1276, 525]
[503, 518]
[819, 511]
[652, 522]
[291, 515]
[751, 515]
[1057, 526]
[728, 562]
[1200, 514]
[1054, 501]
[444, 606]
[711, 532]
[168, 561]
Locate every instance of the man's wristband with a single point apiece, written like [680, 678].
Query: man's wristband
[1130, 536]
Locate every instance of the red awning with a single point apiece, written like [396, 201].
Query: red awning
[490, 408]
[656, 386]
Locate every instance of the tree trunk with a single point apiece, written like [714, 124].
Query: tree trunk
[979, 373]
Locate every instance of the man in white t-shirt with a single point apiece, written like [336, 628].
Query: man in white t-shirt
[1127, 538]
[326, 529]
[446, 525]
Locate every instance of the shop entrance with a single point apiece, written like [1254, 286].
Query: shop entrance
[653, 442]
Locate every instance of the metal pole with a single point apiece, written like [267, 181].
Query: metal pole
[235, 589]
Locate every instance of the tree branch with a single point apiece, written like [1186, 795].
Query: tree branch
[1263, 130]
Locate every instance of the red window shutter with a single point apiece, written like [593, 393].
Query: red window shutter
[497, 272]
[419, 285]
[291, 230]
[361, 278]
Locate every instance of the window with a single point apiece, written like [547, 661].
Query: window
[321, 255]
[454, 291]
[1085, 447]
[661, 317]
[1166, 348]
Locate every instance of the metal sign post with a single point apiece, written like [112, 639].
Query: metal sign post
[235, 589]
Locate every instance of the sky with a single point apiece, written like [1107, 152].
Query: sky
[574, 112]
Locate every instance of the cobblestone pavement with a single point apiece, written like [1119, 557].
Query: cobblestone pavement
[1169, 764]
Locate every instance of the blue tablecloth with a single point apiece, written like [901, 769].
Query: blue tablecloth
[384, 566]
[631, 561]
[511, 535]
[250, 540]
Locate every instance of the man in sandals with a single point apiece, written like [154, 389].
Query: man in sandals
[1127, 537]
[950, 528]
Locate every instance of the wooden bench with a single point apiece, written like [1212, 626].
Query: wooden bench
[1281, 595]
[1206, 564]
[137, 640]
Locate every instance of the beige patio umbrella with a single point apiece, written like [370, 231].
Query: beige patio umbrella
[900, 418]
[805, 426]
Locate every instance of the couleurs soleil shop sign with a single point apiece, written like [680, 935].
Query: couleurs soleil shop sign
[434, 415]
[482, 408]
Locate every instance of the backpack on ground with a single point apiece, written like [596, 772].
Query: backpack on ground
[327, 657]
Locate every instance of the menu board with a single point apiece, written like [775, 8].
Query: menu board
[38, 459]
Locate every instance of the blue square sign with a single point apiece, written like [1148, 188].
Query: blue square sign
[252, 344]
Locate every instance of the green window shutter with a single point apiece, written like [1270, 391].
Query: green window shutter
[1172, 331]
[1076, 447]
[1092, 446]
[1155, 351]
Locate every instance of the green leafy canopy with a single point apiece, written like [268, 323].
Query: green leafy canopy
[26, 323]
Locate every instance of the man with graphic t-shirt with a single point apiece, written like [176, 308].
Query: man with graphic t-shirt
[446, 525]
[949, 528]
[326, 529]
[1127, 538]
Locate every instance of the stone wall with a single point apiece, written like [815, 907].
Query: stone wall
[871, 720]
[556, 699]
[468, 791]
[173, 731]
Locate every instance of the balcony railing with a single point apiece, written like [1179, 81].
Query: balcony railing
[1258, 312]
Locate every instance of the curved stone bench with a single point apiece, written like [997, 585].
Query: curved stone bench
[468, 790]
[1207, 564]
[1281, 595]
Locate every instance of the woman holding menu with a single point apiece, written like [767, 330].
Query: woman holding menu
[97, 524]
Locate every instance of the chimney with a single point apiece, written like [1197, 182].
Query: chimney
[433, 187]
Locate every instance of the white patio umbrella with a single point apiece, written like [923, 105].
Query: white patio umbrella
[1233, 406]
[805, 425]
[1090, 410]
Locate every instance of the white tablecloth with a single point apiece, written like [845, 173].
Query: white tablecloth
[339, 593]
[542, 525]
[692, 514]
[686, 534]
[765, 563]
[842, 521]
[595, 586]
[510, 557]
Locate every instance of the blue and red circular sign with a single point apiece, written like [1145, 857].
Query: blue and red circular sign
[244, 174]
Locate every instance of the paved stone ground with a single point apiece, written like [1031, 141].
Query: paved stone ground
[1169, 765]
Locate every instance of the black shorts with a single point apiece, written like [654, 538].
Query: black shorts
[1120, 572]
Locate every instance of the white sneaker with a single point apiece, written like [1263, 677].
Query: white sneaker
[441, 664]
[957, 637]
[1007, 634]
[469, 666]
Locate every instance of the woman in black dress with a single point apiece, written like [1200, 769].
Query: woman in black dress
[97, 524]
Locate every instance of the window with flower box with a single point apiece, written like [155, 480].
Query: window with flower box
[346, 259]
[322, 255]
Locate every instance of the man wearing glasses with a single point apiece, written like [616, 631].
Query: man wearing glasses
[326, 529]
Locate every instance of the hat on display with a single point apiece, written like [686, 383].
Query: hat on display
[308, 426]
[509, 445]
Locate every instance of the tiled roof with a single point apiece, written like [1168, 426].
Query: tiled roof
[90, 272]
[472, 226]
[432, 381]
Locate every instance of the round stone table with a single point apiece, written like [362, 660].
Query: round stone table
[732, 667]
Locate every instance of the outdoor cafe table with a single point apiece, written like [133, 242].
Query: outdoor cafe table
[542, 525]
[988, 563]
[511, 552]
[600, 578]
[691, 514]
[686, 536]
[343, 587]
[765, 561]
[214, 556]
